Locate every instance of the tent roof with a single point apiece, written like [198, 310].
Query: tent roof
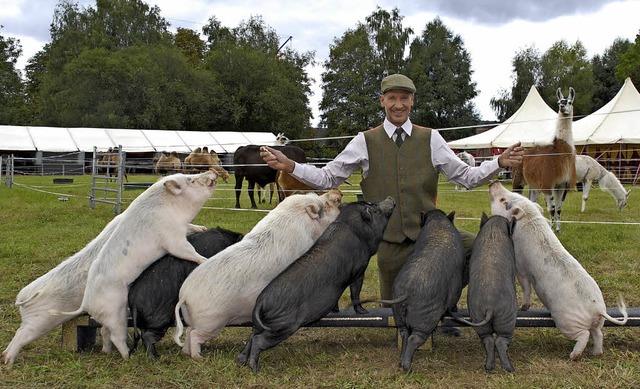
[62, 139]
[86, 138]
[532, 124]
[616, 122]
[15, 138]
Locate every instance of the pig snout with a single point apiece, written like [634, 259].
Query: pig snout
[208, 178]
[387, 205]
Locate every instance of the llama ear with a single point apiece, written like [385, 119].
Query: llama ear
[572, 93]
[628, 193]
[559, 94]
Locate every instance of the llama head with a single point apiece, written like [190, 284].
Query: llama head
[565, 104]
[281, 139]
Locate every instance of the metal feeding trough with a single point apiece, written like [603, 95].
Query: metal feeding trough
[63, 180]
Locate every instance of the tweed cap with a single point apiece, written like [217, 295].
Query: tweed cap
[397, 81]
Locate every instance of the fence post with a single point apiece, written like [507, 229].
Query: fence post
[8, 179]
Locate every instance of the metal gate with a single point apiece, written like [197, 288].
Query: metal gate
[107, 171]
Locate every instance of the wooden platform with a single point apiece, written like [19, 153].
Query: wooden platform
[80, 333]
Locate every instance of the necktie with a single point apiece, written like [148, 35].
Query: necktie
[399, 132]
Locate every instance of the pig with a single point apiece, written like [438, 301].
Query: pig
[224, 289]
[429, 283]
[491, 294]
[154, 224]
[61, 288]
[564, 287]
[154, 294]
[308, 289]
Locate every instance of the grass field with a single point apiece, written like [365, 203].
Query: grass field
[42, 224]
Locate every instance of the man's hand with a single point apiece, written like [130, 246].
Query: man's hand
[512, 156]
[276, 159]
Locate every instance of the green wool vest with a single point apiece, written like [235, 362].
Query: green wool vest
[404, 173]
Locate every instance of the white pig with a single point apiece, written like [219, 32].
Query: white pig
[153, 225]
[224, 289]
[61, 288]
[565, 288]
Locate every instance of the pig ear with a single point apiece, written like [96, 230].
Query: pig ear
[539, 208]
[451, 216]
[517, 213]
[313, 211]
[173, 186]
[483, 219]
[423, 218]
[366, 214]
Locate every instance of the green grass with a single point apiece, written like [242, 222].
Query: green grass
[37, 231]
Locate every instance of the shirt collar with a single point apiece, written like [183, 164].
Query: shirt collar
[390, 128]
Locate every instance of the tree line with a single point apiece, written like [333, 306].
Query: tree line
[117, 65]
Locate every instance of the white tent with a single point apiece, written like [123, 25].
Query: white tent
[62, 139]
[15, 138]
[86, 138]
[532, 124]
[616, 122]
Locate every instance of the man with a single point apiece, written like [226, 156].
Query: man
[401, 160]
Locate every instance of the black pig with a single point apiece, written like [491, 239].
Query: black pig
[429, 283]
[154, 294]
[308, 289]
[492, 289]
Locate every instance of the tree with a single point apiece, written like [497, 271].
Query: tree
[440, 67]
[629, 65]
[189, 42]
[350, 85]
[605, 83]
[262, 91]
[11, 88]
[357, 63]
[389, 39]
[526, 73]
[137, 87]
[564, 66]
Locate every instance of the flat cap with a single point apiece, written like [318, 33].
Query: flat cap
[397, 81]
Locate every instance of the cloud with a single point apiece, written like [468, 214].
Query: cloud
[498, 12]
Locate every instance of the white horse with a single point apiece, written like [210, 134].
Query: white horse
[588, 170]
[466, 158]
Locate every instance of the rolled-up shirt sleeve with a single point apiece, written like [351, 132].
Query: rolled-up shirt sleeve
[455, 170]
[335, 172]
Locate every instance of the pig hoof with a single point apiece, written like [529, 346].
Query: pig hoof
[360, 310]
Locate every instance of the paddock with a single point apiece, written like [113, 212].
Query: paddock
[41, 230]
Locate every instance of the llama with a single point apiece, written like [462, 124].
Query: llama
[551, 169]
[466, 158]
[282, 140]
[588, 170]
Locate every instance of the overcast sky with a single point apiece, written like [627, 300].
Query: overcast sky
[492, 30]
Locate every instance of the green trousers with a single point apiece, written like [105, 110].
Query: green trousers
[391, 257]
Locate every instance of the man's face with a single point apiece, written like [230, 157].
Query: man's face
[397, 104]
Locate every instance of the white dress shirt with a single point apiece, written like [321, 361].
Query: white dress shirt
[355, 155]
